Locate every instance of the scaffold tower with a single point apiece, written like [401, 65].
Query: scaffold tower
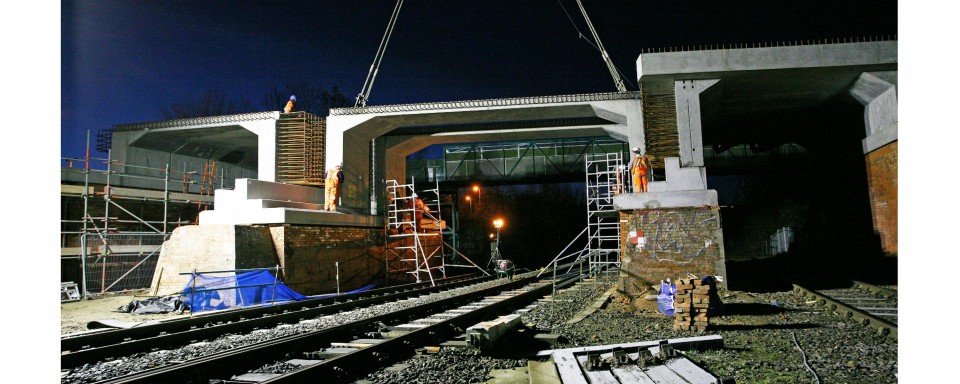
[605, 178]
[412, 249]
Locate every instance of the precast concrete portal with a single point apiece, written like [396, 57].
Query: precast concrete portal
[373, 142]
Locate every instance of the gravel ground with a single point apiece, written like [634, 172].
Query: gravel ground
[137, 362]
[767, 338]
[761, 335]
[75, 315]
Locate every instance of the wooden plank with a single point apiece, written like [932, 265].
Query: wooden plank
[596, 377]
[681, 343]
[631, 374]
[662, 374]
[256, 377]
[543, 372]
[690, 371]
[569, 368]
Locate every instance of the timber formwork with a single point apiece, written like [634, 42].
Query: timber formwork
[301, 149]
[660, 125]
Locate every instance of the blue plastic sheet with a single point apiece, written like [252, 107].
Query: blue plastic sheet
[206, 292]
[665, 298]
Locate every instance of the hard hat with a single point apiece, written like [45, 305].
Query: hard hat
[636, 149]
[339, 166]
[414, 195]
[293, 97]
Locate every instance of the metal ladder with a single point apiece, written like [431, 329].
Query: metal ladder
[405, 249]
[604, 180]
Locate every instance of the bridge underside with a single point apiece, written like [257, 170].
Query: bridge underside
[375, 143]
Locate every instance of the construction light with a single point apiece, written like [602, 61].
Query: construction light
[498, 223]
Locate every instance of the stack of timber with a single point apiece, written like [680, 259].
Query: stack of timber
[691, 303]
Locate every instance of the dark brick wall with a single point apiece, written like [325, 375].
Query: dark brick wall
[678, 241]
[882, 183]
[309, 255]
[253, 247]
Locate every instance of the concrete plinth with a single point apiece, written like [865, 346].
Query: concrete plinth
[312, 257]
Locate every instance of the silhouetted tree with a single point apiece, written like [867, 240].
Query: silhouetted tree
[310, 97]
[210, 103]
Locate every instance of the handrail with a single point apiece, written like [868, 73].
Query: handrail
[557, 258]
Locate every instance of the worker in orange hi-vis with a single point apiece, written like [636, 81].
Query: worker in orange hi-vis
[290, 104]
[418, 209]
[639, 167]
[331, 187]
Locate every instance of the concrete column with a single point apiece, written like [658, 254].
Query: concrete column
[266, 150]
[877, 91]
[634, 126]
[689, 124]
[349, 146]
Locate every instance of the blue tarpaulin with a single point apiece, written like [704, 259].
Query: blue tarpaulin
[665, 298]
[206, 292]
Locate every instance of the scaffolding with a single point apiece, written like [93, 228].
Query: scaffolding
[115, 244]
[604, 179]
[410, 249]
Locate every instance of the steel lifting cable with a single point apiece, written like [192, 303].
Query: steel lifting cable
[375, 66]
[614, 71]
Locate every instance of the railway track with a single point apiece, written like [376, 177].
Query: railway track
[89, 348]
[870, 305]
[335, 347]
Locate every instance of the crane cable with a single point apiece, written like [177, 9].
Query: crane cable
[375, 66]
[606, 58]
[580, 35]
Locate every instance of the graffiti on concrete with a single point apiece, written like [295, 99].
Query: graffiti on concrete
[679, 236]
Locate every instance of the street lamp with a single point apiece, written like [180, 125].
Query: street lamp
[476, 189]
[497, 223]
[469, 200]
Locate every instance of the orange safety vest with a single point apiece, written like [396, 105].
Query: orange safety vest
[640, 165]
[289, 107]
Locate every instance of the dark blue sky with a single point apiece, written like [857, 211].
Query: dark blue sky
[122, 60]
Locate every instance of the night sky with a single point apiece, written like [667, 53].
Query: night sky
[113, 62]
[121, 61]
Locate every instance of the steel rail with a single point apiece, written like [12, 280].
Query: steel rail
[884, 292]
[884, 327]
[353, 365]
[182, 331]
[225, 364]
